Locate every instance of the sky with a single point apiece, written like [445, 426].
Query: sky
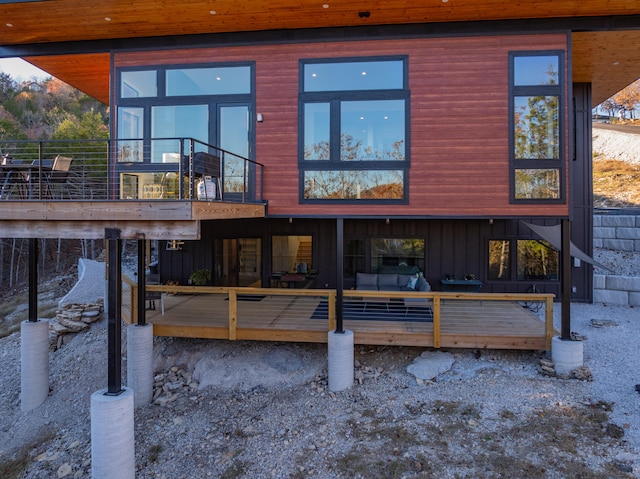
[20, 70]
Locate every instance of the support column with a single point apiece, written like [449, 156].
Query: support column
[565, 332]
[566, 354]
[34, 363]
[112, 435]
[112, 420]
[341, 362]
[340, 342]
[140, 362]
[34, 344]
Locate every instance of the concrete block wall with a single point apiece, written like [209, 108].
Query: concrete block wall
[622, 233]
[618, 232]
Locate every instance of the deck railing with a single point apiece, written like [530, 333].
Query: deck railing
[392, 299]
[126, 169]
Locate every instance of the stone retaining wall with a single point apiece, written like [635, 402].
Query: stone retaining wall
[617, 232]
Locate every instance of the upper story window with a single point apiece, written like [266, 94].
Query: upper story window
[537, 166]
[158, 105]
[138, 84]
[208, 81]
[354, 137]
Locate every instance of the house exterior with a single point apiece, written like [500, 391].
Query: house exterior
[431, 132]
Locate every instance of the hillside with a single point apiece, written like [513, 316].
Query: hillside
[616, 166]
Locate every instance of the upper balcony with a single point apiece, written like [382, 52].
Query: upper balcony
[160, 188]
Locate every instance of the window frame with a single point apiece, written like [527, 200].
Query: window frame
[513, 261]
[334, 98]
[147, 103]
[558, 164]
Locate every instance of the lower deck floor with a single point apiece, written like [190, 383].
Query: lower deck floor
[463, 320]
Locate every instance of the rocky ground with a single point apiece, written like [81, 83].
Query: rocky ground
[263, 410]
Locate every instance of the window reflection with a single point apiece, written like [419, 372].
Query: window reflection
[536, 261]
[397, 255]
[372, 130]
[208, 81]
[137, 84]
[291, 254]
[353, 257]
[184, 121]
[354, 184]
[344, 76]
[499, 260]
[537, 133]
[536, 70]
[537, 183]
[316, 131]
[130, 129]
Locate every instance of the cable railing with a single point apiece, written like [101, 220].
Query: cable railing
[435, 319]
[126, 169]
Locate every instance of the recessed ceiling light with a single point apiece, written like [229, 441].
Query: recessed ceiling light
[107, 19]
[9, 25]
[326, 5]
[212, 12]
[445, 1]
[616, 63]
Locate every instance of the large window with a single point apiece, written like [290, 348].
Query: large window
[537, 166]
[384, 255]
[353, 144]
[159, 107]
[535, 260]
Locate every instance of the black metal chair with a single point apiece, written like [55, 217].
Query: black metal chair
[58, 175]
[11, 180]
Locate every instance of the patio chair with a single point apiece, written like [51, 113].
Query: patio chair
[58, 175]
[11, 179]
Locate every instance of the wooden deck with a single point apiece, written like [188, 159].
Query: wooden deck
[453, 320]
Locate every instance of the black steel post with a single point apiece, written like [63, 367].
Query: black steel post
[565, 329]
[114, 329]
[33, 280]
[339, 273]
[142, 283]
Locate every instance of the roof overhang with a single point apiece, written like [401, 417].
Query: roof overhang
[73, 39]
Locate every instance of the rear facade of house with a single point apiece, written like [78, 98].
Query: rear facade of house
[431, 148]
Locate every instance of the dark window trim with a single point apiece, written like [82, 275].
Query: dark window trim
[147, 103]
[513, 261]
[538, 90]
[334, 98]
[161, 78]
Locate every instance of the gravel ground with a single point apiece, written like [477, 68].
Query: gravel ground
[616, 144]
[486, 414]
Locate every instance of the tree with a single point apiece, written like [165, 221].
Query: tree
[624, 103]
[7, 87]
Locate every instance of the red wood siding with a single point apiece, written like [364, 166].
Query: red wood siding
[459, 120]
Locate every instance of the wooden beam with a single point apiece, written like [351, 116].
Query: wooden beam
[179, 230]
[96, 210]
[216, 210]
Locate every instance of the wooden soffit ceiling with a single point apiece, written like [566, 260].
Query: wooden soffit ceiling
[57, 21]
